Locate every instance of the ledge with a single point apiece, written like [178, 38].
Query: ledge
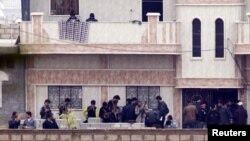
[242, 49]
[208, 83]
[171, 49]
[9, 50]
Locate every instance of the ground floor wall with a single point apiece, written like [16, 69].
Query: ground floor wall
[13, 90]
[105, 93]
[104, 135]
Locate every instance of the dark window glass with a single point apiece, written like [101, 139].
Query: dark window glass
[63, 7]
[149, 6]
[57, 95]
[145, 94]
[196, 38]
[219, 38]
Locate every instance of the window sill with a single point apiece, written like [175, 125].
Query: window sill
[196, 59]
[220, 59]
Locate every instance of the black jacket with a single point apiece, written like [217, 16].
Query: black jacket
[163, 109]
[91, 111]
[13, 124]
[104, 114]
[50, 125]
[128, 113]
[43, 112]
[213, 118]
[240, 116]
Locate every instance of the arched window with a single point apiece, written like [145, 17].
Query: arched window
[219, 38]
[196, 38]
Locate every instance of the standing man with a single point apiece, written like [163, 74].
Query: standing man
[189, 115]
[128, 112]
[114, 109]
[45, 109]
[163, 110]
[226, 116]
[64, 108]
[240, 115]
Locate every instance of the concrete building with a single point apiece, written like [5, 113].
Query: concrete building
[200, 49]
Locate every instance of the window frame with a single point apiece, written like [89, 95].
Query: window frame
[194, 36]
[60, 102]
[219, 35]
[77, 13]
[137, 93]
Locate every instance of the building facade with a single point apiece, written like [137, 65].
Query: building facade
[192, 49]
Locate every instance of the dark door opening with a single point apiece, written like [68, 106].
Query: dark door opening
[151, 6]
[210, 96]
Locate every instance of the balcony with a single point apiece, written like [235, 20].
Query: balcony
[43, 37]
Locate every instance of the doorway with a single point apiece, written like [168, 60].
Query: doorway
[151, 6]
[210, 96]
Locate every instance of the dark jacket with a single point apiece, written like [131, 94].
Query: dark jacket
[213, 118]
[225, 115]
[104, 114]
[240, 116]
[43, 112]
[128, 113]
[13, 124]
[202, 115]
[163, 109]
[152, 119]
[63, 109]
[91, 111]
[50, 125]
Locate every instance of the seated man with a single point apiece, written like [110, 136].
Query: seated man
[73, 17]
[29, 122]
[152, 119]
[50, 122]
[91, 18]
[14, 122]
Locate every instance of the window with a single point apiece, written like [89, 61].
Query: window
[196, 38]
[144, 93]
[63, 7]
[151, 6]
[57, 95]
[219, 38]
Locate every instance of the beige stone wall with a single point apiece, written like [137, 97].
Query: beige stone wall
[9, 31]
[98, 62]
[104, 135]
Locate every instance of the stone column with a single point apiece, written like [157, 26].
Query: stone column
[37, 29]
[153, 19]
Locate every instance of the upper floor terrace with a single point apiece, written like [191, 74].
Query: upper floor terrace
[50, 37]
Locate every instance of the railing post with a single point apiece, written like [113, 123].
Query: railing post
[153, 19]
[37, 29]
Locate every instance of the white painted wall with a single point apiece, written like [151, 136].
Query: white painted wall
[167, 94]
[207, 66]
[121, 91]
[105, 10]
[116, 33]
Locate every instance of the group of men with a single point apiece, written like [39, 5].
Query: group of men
[196, 114]
[133, 111]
